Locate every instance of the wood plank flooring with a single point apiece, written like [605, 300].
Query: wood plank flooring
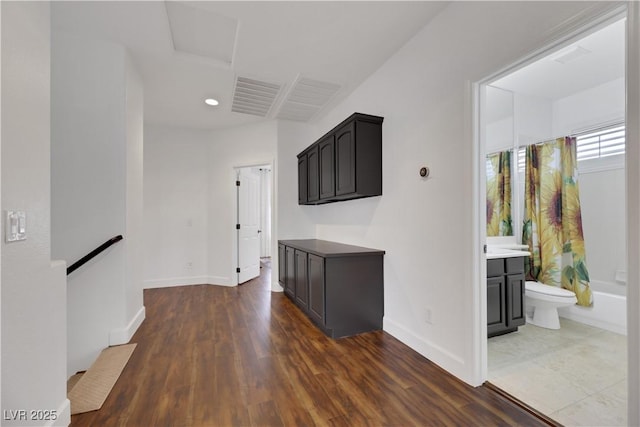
[244, 356]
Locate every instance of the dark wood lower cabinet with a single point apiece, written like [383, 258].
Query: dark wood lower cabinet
[316, 288]
[290, 275]
[282, 259]
[339, 287]
[505, 295]
[302, 280]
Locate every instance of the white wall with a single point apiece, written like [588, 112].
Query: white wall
[266, 185]
[176, 218]
[33, 287]
[134, 219]
[425, 225]
[533, 119]
[248, 145]
[599, 105]
[96, 184]
[190, 200]
[602, 197]
[294, 221]
[497, 113]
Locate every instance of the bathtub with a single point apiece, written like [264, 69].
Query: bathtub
[609, 309]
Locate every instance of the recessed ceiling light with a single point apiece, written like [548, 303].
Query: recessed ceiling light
[211, 101]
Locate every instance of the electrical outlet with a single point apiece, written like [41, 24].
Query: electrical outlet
[427, 316]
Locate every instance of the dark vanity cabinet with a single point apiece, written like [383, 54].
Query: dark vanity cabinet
[346, 163]
[339, 287]
[505, 295]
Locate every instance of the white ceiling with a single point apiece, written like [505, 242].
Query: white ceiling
[337, 43]
[602, 61]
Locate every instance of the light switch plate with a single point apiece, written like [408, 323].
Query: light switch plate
[15, 226]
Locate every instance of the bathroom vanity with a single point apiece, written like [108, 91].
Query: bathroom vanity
[505, 290]
[339, 287]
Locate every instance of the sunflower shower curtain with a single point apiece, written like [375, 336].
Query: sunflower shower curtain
[552, 218]
[499, 194]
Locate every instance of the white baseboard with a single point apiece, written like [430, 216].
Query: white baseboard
[448, 361]
[188, 280]
[123, 335]
[63, 415]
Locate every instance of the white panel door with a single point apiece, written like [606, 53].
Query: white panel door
[249, 220]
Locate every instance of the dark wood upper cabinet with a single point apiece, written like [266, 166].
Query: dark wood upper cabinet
[327, 168]
[303, 196]
[345, 160]
[349, 162]
[313, 184]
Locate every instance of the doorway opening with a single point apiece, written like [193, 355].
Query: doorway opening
[253, 220]
[576, 88]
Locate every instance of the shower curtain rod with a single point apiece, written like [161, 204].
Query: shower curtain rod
[579, 132]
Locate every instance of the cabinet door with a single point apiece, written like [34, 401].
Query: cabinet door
[327, 168]
[302, 282]
[313, 180]
[346, 160]
[316, 288]
[496, 310]
[282, 264]
[515, 300]
[302, 180]
[290, 279]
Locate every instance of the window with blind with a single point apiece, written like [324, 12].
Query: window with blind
[603, 143]
[593, 145]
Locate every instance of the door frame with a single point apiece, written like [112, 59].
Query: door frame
[234, 247]
[590, 21]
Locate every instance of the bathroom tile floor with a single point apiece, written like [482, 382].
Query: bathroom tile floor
[575, 375]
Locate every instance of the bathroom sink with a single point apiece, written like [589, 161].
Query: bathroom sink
[494, 252]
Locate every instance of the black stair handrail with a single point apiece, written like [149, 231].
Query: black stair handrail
[73, 267]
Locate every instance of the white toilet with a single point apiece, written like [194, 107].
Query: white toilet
[542, 302]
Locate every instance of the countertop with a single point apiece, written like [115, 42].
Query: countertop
[327, 249]
[500, 252]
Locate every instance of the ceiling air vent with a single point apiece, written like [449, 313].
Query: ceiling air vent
[253, 96]
[306, 98]
[569, 54]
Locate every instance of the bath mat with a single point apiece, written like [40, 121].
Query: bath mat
[93, 387]
[73, 380]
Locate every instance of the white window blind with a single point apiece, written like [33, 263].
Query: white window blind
[592, 145]
[521, 157]
[602, 143]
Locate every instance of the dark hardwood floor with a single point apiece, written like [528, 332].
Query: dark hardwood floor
[244, 356]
